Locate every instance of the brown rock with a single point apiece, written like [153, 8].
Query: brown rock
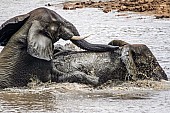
[158, 7]
[123, 8]
[69, 6]
[107, 9]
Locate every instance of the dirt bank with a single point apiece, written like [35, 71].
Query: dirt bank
[160, 8]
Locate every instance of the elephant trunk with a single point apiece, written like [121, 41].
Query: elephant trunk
[94, 47]
[70, 30]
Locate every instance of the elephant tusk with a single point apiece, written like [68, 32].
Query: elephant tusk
[80, 37]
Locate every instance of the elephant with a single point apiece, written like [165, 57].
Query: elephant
[28, 42]
[130, 62]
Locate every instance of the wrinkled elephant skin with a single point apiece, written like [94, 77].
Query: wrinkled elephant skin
[28, 41]
[132, 62]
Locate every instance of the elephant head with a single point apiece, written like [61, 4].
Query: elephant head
[43, 27]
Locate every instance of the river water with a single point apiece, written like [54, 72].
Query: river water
[75, 98]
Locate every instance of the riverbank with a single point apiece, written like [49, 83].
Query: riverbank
[129, 97]
[158, 8]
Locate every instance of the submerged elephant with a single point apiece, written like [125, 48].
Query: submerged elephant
[28, 41]
[132, 62]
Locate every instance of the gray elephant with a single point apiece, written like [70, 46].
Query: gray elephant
[132, 62]
[28, 41]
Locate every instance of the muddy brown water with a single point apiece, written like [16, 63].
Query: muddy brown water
[76, 98]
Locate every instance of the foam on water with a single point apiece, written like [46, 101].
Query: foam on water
[152, 97]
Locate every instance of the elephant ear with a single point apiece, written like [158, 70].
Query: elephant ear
[39, 45]
[10, 27]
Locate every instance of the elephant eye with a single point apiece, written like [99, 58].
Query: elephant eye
[46, 33]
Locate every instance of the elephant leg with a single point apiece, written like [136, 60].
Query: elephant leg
[127, 59]
[60, 50]
[76, 76]
[55, 73]
[79, 77]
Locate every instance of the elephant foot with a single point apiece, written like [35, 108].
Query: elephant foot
[79, 77]
[127, 59]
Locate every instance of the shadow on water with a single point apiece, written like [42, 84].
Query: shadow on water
[133, 28]
[73, 98]
[121, 96]
[13, 101]
[21, 100]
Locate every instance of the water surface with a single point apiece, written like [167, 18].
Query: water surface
[75, 98]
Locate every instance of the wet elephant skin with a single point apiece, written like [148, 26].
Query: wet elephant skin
[28, 41]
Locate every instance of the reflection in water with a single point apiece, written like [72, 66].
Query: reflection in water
[41, 101]
[46, 101]
[74, 98]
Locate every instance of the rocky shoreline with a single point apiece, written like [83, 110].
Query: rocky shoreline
[159, 8]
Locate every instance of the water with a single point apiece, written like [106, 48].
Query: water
[75, 98]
